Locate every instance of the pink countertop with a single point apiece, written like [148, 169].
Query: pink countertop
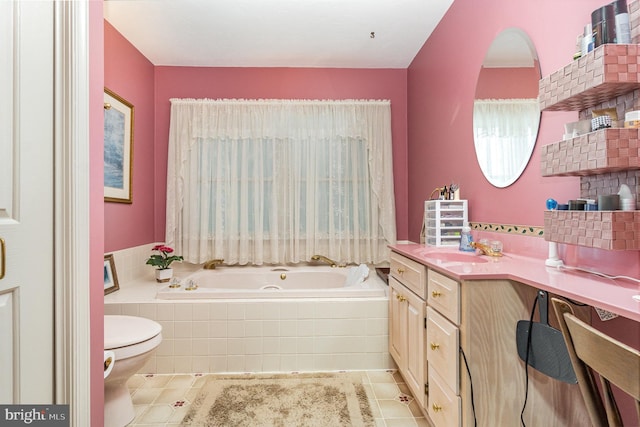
[615, 296]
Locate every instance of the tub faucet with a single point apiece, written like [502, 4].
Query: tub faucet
[486, 250]
[324, 259]
[211, 264]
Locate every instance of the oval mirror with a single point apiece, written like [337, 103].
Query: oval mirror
[506, 114]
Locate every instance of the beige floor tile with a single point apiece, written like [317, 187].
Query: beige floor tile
[156, 414]
[171, 395]
[135, 382]
[163, 400]
[145, 396]
[401, 422]
[394, 409]
[381, 377]
[422, 422]
[180, 381]
[156, 381]
[385, 390]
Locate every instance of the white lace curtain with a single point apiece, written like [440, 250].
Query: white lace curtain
[505, 132]
[277, 181]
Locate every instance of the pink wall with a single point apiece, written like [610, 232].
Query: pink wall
[129, 74]
[96, 210]
[440, 97]
[285, 83]
[506, 83]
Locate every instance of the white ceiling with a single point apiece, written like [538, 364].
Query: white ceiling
[277, 33]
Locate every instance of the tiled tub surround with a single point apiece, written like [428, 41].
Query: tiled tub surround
[232, 335]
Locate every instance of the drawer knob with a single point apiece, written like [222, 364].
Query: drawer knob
[401, 298]
[436, 294]
[436, 407]
[400, 270]
[435, 346]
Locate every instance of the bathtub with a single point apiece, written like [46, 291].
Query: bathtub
[259, 333]
[276, 282]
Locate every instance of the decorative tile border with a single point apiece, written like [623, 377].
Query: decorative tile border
[523, 230]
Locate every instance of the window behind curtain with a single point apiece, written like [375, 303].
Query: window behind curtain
[278, 181]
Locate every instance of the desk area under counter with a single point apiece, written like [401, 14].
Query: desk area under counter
[472, 305]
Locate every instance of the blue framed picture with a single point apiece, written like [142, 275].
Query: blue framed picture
[118, 148]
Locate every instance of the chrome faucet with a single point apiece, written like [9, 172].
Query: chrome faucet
[211, 264]
[486, 250]
[324, 259]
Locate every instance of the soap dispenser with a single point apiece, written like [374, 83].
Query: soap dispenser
[466, 239]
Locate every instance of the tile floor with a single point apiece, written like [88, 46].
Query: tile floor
[163, 399]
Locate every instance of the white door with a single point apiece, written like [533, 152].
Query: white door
[26, 202]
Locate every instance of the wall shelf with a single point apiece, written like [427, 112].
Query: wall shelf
[601, 157]
[603, 151]
[611, 230]
[606, 72]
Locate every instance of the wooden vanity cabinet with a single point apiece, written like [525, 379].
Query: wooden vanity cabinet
[473, 320]
[407, 313]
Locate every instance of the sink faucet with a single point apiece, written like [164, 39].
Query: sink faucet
[324, 259]
[211, 264]
[486, 250]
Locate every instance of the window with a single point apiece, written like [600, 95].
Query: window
[278, 181]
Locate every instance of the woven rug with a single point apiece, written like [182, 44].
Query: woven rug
[296, 400]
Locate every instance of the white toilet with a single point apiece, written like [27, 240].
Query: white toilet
[133, 340]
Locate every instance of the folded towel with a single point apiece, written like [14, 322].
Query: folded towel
[357, 275]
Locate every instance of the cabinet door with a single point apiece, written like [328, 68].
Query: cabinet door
[416, 338]
[445, 408]
[397, 323]
[442, 349]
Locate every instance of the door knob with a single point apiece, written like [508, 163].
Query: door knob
[436, 407]
[436, 294]
[435, 346]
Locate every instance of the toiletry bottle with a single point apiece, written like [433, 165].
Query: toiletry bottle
[621, 19]
[466, 238]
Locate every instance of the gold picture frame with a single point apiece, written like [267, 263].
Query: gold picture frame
[118, 148]
[110, 276]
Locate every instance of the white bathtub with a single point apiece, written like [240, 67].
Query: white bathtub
[276, 282]
[254, 334]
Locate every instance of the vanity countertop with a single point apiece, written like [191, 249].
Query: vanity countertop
[615, 296]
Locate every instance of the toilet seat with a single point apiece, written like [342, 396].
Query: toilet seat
[129, 336]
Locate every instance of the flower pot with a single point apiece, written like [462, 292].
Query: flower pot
[165, 275]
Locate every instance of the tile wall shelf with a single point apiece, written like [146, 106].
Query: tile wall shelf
[606, 150]
[608, 71]
[611, 230]
[609, 156]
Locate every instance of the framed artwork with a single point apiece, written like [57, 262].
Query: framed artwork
[110, 277]
[118, 148]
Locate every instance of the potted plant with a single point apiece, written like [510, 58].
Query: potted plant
[162, 262]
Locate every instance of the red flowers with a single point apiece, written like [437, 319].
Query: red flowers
[162, 261]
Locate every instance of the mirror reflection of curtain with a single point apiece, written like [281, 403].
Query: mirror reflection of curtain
[277, 181]
[505, 132]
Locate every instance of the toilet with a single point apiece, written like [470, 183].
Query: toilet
[132, 340]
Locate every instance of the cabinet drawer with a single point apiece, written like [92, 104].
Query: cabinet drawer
[444, 407]
[410, 273]
[442, 349]
[444, 295]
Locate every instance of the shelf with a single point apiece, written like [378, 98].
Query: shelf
[611, 230]
[603, 151]
[608, 71]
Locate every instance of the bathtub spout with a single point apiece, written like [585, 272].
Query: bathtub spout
[324, 259]
[211, 264]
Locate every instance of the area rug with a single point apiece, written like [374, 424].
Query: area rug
[296, 400]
